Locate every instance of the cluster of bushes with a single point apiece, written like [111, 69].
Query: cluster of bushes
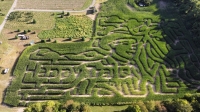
[20, 16]
[169, 105]
[189, 103]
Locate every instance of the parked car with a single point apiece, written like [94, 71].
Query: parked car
[6, 71]
[23, 37]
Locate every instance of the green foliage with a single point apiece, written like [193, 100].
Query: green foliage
[133, 57]
[20, 16]
[34, 21]
[179, 105]
[134, 108]
[70, 27]
[25, 32]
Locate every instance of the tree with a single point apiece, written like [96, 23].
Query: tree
[61, 16]
[18, 30]
[16, 37]
[150, 105]
[160, 107]
[196, 106]
[85, 108]
[67, 103]
[34, 21]
[70, 38]
[48, 109]
[182, 105]
[37, 107]
[134, 108]
[68, 14]
[83, 38]
[179, 105]
[52, 106]
[73, 107]
[25, 32]
[141, 105]
[62, 13]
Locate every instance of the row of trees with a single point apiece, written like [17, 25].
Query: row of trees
[55, 106]
[189, 103]
[178, 105]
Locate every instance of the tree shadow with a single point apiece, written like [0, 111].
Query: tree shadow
[13, 38]
[183, 53]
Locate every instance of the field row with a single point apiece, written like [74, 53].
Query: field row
[51, 4]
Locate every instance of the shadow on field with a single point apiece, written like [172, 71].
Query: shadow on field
[183, 57]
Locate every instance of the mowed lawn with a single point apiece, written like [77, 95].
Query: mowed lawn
[53, 4]
[44, 21]
[108, 108]
[4, 8]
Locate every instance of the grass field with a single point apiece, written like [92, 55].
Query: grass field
[44, 21]
[54, 5]
[4, 8]
[107, 108]
[140, 54]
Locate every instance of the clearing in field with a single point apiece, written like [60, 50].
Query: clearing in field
[53, 4]
[136, 55]
[23, 21]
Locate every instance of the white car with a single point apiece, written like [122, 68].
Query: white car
[6, 71]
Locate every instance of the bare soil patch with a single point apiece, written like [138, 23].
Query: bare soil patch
[50, 4]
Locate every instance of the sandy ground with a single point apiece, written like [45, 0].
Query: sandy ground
[21, 109]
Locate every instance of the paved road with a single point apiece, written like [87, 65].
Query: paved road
[15, 3]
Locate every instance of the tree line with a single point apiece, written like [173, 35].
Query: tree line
[189, 103]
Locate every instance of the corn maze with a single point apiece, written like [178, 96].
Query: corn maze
[132, 57]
